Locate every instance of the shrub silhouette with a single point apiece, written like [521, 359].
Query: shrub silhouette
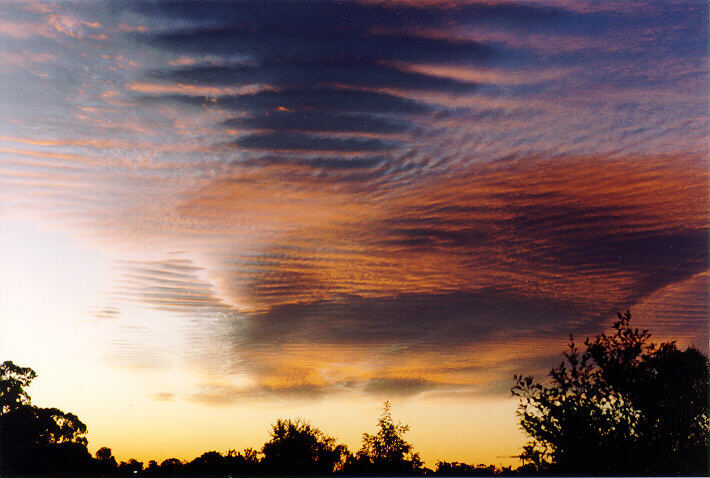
[623, 406]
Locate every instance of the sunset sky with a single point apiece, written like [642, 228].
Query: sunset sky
[216, 214]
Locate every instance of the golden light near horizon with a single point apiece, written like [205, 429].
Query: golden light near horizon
[218, 215]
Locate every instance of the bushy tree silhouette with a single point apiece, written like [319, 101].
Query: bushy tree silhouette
[296, 447]
[624, 405]
[386, 452]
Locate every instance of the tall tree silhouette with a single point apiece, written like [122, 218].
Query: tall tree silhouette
[296, 447]
[386, 452]
[624, 405]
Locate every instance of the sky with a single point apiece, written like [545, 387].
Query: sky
[216, 214]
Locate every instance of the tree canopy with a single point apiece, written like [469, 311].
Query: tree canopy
[14, 381]
[34, 438]
[387, 451]
[623, 405]
[296, 447]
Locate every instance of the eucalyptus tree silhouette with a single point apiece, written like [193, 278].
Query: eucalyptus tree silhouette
[13, 383]
[623, 406]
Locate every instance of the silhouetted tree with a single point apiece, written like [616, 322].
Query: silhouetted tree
[131, 467]
[152, 468]
[386, 452]
[298, 448]
[13, 382]
[209, 463]
[36, 439]
[105, 461]
[245, 464]
[463, 469]
[171, 466]
[624, 405]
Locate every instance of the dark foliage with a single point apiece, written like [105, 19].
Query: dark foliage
[34, 439]
[463, 469]
[104, 461]
[13, 382]
[130, 467]
[386, 452]
[623, 406]
[298, 448]
[171, 466]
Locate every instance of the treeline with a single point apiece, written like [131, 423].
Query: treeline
[297, 448]
[623, 405]
[47, 440]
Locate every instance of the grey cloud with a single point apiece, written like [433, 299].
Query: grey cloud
[394, 387]
[410, 320]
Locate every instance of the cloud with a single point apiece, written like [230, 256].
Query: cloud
[164, 397]
[351, 72]
[321, 122]
[414, 320]
[365, 16]
[323, 99]
[373, 196]
[170, 284]
[106, 313]
[394, 387]
[325, 162]
[302, 142]
[226, 394]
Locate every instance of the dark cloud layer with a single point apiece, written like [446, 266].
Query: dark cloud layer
[358, 16]
[415, 321]
[352, 72]
[321, 122]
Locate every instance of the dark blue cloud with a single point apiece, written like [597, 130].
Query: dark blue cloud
[325, 162]
[299, 73]
[305, 99]
[362, 16]
[318, 121]
[292, 43]
[303, 142]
